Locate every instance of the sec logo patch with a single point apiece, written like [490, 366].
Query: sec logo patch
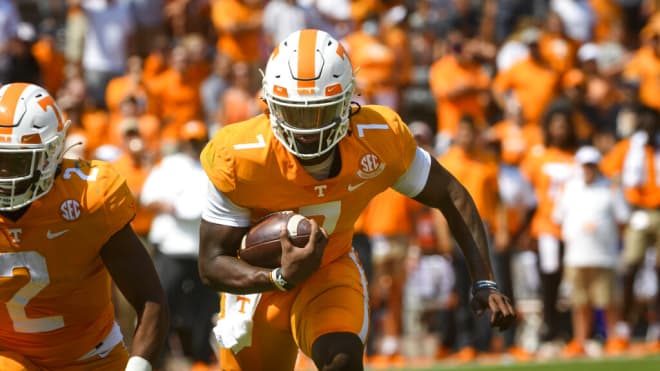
[370, 166]
[70, 210]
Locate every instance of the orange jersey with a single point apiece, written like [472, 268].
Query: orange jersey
[645, 68]
[478, 173]
[547, 170]
[515, 140]
[255, 171]
[535, 86]
[240, 45]
[446, 75]
[53, 284]
[390, 214]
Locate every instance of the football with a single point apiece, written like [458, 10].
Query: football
[261, 244]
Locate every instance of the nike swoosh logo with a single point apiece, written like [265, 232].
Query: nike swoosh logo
[352, 187]
[50, 235]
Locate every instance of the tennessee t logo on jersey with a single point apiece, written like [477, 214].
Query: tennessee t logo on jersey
[320, 190]
[15, 234]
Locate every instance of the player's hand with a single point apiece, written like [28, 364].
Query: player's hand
[298, 263]
[502, 314]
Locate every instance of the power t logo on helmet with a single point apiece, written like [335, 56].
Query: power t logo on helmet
[32, 131]
[308, 85]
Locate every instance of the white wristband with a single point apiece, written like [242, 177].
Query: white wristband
[274, 279]
[137, 363]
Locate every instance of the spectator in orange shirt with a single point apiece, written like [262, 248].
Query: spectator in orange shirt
[389, 229]
[51, 60]
[199, 66]
[555, 47]
[548, 169]
[129, 84]
[640, 178]
[376, 80]
[396, 35]
[177, 96]
[512, 135]
[237, 102]
[477, 170]
[459, 86]
[644, 67]
[134, 163]
[131, 110]
[238, 24]
[532, 80]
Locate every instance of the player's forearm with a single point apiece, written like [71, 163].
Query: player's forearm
[151, 330]
[468, 230]
[228, 274]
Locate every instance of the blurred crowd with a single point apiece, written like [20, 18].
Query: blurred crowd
[548, 111]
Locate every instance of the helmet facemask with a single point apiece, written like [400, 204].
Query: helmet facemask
[28, 171]
[323, 122]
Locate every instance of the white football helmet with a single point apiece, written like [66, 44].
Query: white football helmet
[308, 85]
[32, 131]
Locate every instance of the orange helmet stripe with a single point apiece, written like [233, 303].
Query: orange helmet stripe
[8, 104]
[47, 101]
[307, 59]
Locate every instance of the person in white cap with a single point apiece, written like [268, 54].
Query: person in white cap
[591, 212]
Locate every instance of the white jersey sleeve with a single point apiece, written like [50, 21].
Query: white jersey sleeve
[412, 182]
[219, 209]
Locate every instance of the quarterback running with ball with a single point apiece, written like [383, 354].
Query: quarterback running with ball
[315, 153]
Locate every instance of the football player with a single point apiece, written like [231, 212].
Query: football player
[65, 236]
[315, 153]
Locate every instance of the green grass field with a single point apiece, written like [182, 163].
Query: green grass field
[608, 364]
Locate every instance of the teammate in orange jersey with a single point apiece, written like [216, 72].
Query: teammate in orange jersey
[315, 154]
[65, 236]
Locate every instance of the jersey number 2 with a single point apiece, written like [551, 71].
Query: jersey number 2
[36, 266]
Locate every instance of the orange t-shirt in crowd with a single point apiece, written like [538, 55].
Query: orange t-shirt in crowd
[608, 15]
[95, 124]
[446, 75]
[240, 46]
[198, 72]
[645, 68]
[398, 41]
[547, 169]
[154, 65]
[478, 173]
[375, 60]
[54, 285]
[178, 101]
[648, 194]
[51, 63]
[121, 87]
[149, 127]
[237, 106]
[390, 214]
[612, 163]
[558, 52]
[515, 141]
[135, 176]
[535, 86]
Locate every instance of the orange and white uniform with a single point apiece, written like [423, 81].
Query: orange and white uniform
[255, 175]
[55, 288]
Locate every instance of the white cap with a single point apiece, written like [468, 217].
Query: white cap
[588, 51]
[588, 155]
[26, 32]
[530, 35]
